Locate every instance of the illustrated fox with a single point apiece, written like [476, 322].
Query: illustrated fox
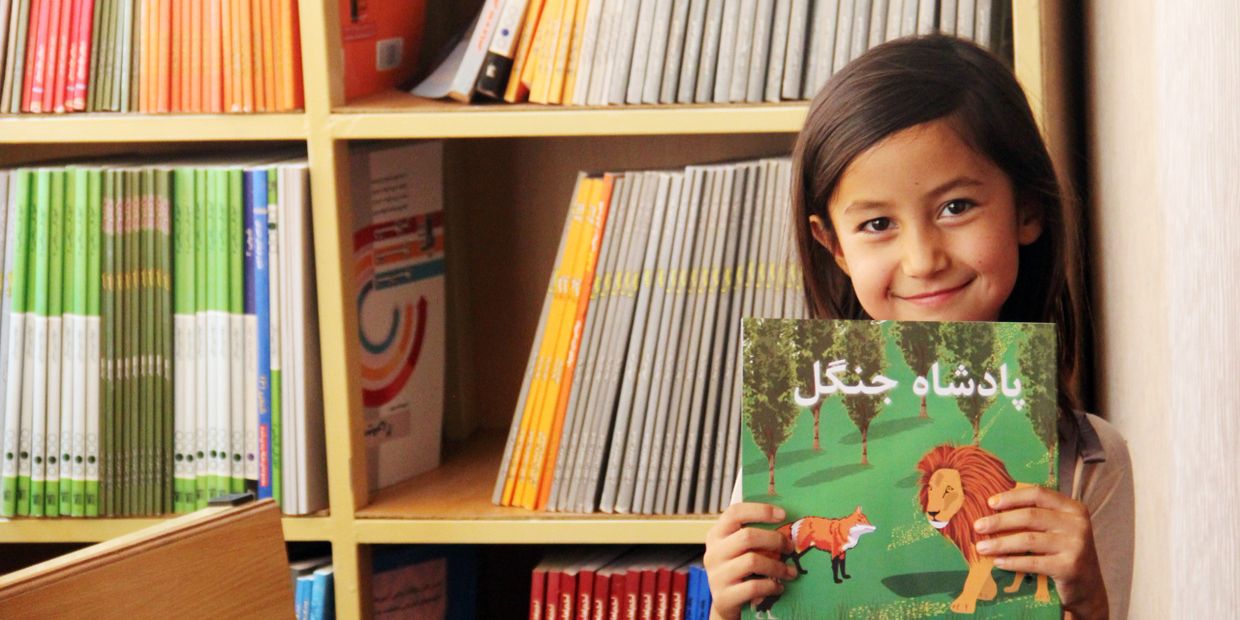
[835, 536]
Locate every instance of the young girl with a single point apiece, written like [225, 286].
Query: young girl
[923, 191]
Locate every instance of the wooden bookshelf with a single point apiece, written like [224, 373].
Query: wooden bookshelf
[527, 155]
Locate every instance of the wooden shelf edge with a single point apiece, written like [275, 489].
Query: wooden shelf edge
[534, 531]
[84, 128]
[69, 530]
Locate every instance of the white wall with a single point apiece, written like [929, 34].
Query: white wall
[1164, 129]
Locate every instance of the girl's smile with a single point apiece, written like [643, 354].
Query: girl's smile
[926, 228]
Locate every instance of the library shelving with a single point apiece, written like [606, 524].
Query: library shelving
[508, 171]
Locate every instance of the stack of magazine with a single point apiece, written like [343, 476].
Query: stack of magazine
[616, 52]
[630, 401]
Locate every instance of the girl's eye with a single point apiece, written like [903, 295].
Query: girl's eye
[957, 207]
[876, 225]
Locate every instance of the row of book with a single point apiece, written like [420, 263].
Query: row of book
[159, 338]
[149, 56]
[641, 583]
[314, 588]
[614, 52]
[630, 401]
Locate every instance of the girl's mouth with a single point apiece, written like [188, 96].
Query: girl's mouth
[935, 297]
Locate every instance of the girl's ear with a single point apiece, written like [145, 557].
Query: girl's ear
[1029, 228]
[826, 238]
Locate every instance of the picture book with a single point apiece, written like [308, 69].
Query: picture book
[883, 441]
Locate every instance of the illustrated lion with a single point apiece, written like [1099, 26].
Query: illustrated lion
[955, 484]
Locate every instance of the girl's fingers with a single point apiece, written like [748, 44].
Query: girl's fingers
[737, 515]
[1039, 519]
[1035, 496]
[740, 570]
[1019, 544]
[750, 539]
[743, 593]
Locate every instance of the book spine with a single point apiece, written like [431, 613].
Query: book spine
[107, 330]
[262, 310]
[275, 333]
[183, 304]
[249, 451]
[34, 376]
[164, 334]
[235, 256]
[56, 362]
[498, 64]
[16, 270]
[538, 584]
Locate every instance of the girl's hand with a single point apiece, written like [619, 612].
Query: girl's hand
[1044, 532]
[734, 553]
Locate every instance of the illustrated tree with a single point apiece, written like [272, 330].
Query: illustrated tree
[769, 353]
[920, 344]
[863, 344]
[973, 349]
[1039, 398]
[816, 343]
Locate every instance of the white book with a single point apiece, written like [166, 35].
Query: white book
[12, 337]
[677, 32]
[642, 41]
[457, 76]
[590, 39]
[659, 43]
[689, 67]
[878, 23]
[308, 376]
[643, 347]
[621, 325]
[908, 19]
[843, 36]
[623, 48]
[4, 31]
[707, 492]
[648, 468]
[289, 413]
[7, 201]
[746, 23]
[895, 14]
[821, 61]
[926, 16]
[760, 52]
[777, 54]
[861, 28]
[726, 58]
[604, 53]
[966, 14]
[947, 16]
[983, 24]
[644, 255]
[584, 474]
[708, 64]
[186, 364]
[671, 392]
[706, 302]
[16, 24]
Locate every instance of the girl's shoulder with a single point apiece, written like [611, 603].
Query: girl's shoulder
[1097, 457]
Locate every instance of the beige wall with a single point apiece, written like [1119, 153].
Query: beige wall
[1164, 134]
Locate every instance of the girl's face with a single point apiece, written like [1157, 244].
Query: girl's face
[926, 228]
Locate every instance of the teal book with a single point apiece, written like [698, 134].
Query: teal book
[883, 441]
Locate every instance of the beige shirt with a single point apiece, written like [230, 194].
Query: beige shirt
[1101, 478]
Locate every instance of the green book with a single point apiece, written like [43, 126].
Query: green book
[91, 448]
[146, 343]
[34, 390]
[218, 353]
[202, 464]
[107, 340]
[163, 331]
[73, 323]
[107, 57]
[236, 327]
[135, 473]
[54, 352]
[183, 304]
[17, 281]
[276, 301]
[96, 40]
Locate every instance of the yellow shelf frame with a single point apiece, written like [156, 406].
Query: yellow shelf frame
[326, 126]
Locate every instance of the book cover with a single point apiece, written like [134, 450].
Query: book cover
[398, 253]
[424, 581]
[380, 40]
[835, 434]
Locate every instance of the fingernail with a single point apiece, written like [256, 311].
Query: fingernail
[779, 513]
[993, 501]
[979, 525]
[790, 571]
[1000, 562]
[983, 546]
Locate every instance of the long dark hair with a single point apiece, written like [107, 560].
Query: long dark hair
[915, 80]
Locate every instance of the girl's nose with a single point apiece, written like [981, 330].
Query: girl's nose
[923, 253]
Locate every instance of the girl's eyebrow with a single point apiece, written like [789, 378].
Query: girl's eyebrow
[942, 188]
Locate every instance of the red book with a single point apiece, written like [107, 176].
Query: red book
[600, 598]
[554, 585]
[568, 593]
[53, 70]
[649, 575]
[618, 597]
[680, 592]
[662, 591]
[538, 582]
[81, 78]
[633, 592]
[64, 93]
[585, 594]
[36, 56]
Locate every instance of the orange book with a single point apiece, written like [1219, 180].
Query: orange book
[381, 40]
[256, 60]
[277, 53]
[215, 58]
[197, 69]
[246, 53]
[269, 54]
[164, 59]
[174, 62]
[515, 478]
[37, 24]
[574, 52]
[543, 45]
[226, 71]
[51, 63]
[81, 79]
[600, 202]
[292, 53]
[234, 69]
[515, 91]
[533, 449]
[557, 64]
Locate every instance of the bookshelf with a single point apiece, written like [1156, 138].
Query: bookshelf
[527, 155]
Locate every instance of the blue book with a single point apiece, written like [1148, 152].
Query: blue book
[322, 595]
[301, 596]
[692, 594]
[259, 290]
[701, 596]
